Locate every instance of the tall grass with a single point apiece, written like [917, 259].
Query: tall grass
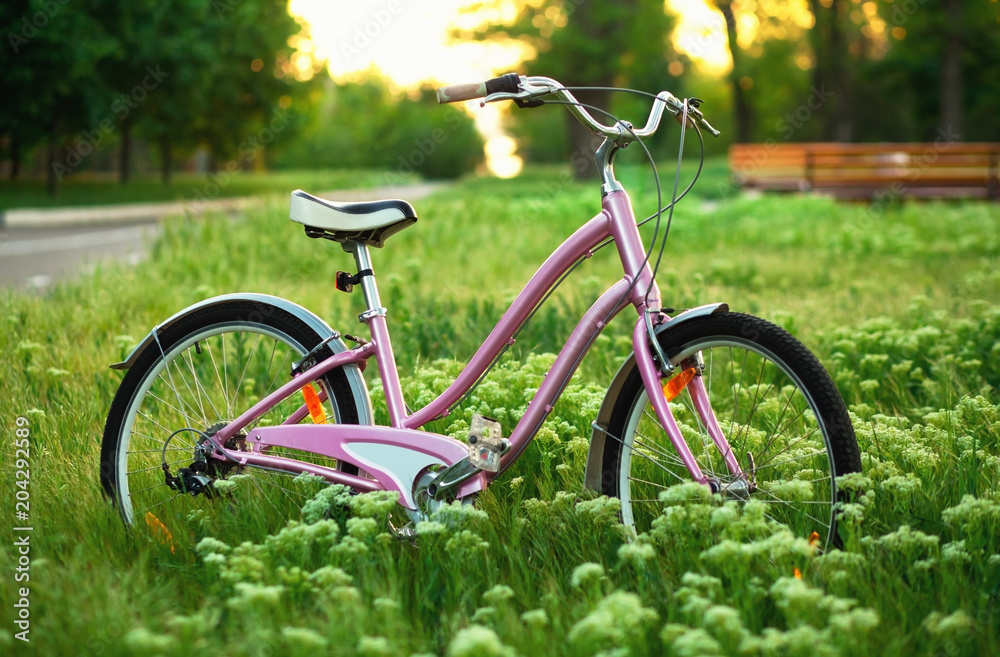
[904, 310]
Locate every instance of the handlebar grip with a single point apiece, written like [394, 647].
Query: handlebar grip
[457, 92]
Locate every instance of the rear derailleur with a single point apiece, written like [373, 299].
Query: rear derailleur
[197, 478]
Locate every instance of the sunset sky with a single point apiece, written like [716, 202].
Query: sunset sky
[408, 41]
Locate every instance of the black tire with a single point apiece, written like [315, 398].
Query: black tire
[218, 361]
[790, 417]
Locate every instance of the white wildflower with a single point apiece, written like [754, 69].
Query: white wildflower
[498, 595]
[586, 574]
[303, 639]
[477, 641]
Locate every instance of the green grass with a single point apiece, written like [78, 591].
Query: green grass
[904, 310]
[88, 190]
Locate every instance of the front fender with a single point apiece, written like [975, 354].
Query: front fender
[592, 477]
[357, 382]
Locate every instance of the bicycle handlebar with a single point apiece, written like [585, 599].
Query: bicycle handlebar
[508, 83]
[514, 87]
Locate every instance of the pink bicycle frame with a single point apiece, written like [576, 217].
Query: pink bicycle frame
[616, 220]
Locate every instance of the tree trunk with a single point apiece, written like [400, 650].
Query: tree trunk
[55, 162]
[951, 73]
[582, 140]
[843, 128]
[819, 38]
[165, 159]
[15, 156]
[741, 106]
[124, 156]
[832, 67]
[587, 22]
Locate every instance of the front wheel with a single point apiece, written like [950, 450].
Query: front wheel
[783, 418]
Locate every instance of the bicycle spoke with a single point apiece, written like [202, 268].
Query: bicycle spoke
[157, 451]
[144, 510]
[158, 466]
[200, 410]
[165, 403]
[643, 481]
[181, 403]
[239, 384]
[225, 374]
[207, 346]
[165, 430]
[770, 464]
[772, 436]
[197, 384]
[146, 436]
[824, 523]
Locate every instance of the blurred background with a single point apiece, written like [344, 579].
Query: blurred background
[145, 90]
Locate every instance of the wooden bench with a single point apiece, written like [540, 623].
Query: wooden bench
[857, 171]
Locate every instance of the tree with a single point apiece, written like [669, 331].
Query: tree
[591, 44]
[368, 125]
[49, 83]
[250, 79]
[940, 73]
[741, 106]
[951, 69]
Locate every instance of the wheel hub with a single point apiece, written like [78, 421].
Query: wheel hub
[197, 478]
[216, 467]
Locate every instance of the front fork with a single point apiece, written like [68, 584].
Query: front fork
[653, 382]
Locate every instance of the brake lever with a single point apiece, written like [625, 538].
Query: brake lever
[501, 95]
[695, 116]
[529, 96]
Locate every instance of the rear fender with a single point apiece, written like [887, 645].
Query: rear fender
[353, 372]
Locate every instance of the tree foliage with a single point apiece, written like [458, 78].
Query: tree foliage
[588, 44]
[846, 70]
[366, 124]
[83, 74]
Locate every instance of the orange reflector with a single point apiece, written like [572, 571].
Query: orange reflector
[314, 405]
[159, 531]
[798, 574]
[673, 387]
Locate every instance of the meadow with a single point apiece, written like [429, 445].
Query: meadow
[902, 305]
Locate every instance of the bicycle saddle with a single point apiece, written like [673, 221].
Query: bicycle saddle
[370, 222]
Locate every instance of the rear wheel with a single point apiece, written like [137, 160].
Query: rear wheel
[204, 371]
[781, 414]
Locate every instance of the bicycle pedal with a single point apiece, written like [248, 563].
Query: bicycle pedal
[486, 443]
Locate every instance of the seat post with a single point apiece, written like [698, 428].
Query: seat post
[374, 317]
[362, 259]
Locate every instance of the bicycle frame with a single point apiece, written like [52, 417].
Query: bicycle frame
[371, 447]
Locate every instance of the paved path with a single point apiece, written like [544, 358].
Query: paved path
[38, 247]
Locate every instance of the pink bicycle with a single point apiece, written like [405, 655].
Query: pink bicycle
[256, 385]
